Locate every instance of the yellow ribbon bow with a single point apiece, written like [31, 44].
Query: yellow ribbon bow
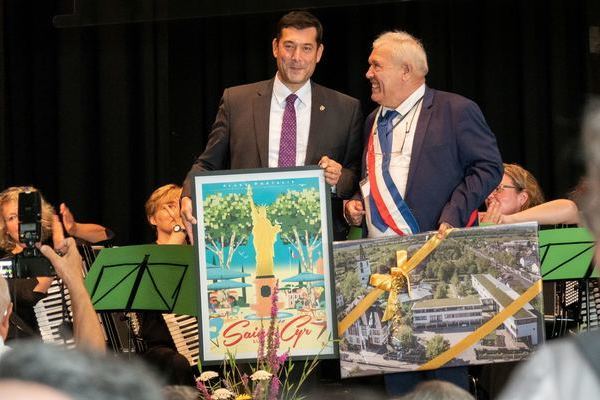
[391, 282]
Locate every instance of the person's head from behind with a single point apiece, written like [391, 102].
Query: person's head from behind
[518, 190]
[5, 308]
[397, 67]
[591, 144]
[297, 48]
[162, 208]
[9, 218]
[31, 367]
[437, 390]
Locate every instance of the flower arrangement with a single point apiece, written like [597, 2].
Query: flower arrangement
[269, 379]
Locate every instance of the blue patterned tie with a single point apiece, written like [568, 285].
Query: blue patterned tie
[287, 141]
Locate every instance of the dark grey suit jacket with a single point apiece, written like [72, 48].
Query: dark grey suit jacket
[240, 134]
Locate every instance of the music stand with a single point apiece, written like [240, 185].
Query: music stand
[144, 278]
[566, 254]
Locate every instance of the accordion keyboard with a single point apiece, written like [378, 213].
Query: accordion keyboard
[184, 332]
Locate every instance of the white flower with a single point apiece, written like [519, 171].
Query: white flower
[208, 375]
[222, 394]
[261, 375]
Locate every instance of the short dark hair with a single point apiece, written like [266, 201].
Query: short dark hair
[300, 20]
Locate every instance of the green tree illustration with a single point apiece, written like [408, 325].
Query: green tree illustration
[227, 225]
[299, 215]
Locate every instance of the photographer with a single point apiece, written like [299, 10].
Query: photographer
[27, 292]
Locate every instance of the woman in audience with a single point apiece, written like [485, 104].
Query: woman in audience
[519, 198]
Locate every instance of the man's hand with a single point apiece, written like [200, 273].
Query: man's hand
[69, 267]
[333, 170]
[354, 212]
[442, 230]
[188, 217]
[58, 234]
[86, 326]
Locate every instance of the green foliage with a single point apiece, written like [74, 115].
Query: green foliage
[297, 209]
[454, 280]
[436, 346]
[227, 215]
[350, 286]
[441, 292]
[228, 224]
[405, 337]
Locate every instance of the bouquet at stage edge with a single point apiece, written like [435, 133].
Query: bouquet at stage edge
[270, 377]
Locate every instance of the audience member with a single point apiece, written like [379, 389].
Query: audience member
[33, 370]
[437, 390]
[87, 331]
[178, 392]
[569, 368]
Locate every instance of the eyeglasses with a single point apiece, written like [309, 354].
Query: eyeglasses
[502, 186]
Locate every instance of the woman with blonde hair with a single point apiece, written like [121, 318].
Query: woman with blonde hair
[27, 292]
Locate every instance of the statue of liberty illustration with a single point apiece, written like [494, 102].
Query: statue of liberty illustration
[264, 234]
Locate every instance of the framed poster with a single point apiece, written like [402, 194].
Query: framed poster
[471, 298]
[259, 230]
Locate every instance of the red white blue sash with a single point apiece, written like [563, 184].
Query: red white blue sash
[396, 214]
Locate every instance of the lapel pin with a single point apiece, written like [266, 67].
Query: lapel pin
[322, 108]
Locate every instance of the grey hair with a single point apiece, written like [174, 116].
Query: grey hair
[180, 392]
[437, 390]
[81, 375]
[591, 145]
[406, 49]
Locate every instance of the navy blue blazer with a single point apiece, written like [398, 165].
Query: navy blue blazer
[455, 162]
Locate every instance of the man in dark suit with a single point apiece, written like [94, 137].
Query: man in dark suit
[443, 159]
[430, 160]
[252, 126]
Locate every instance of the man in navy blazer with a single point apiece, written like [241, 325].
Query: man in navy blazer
[430, 160]
[444, 160]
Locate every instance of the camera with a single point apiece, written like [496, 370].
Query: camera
[30, 262]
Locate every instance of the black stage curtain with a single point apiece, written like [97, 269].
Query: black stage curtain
[99, 116]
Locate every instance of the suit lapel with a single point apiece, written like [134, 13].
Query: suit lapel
[317, 117]
[420, 132]
[261, 109]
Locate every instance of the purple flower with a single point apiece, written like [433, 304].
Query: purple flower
[274, 390]
[261, 346]
[282, 358]
[203, 390]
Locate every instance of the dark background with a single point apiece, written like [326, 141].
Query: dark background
[101, 106]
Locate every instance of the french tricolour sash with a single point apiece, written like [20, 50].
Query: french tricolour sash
[393, 213]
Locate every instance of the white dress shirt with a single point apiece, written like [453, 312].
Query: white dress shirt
[405, 125]
[302, 106]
